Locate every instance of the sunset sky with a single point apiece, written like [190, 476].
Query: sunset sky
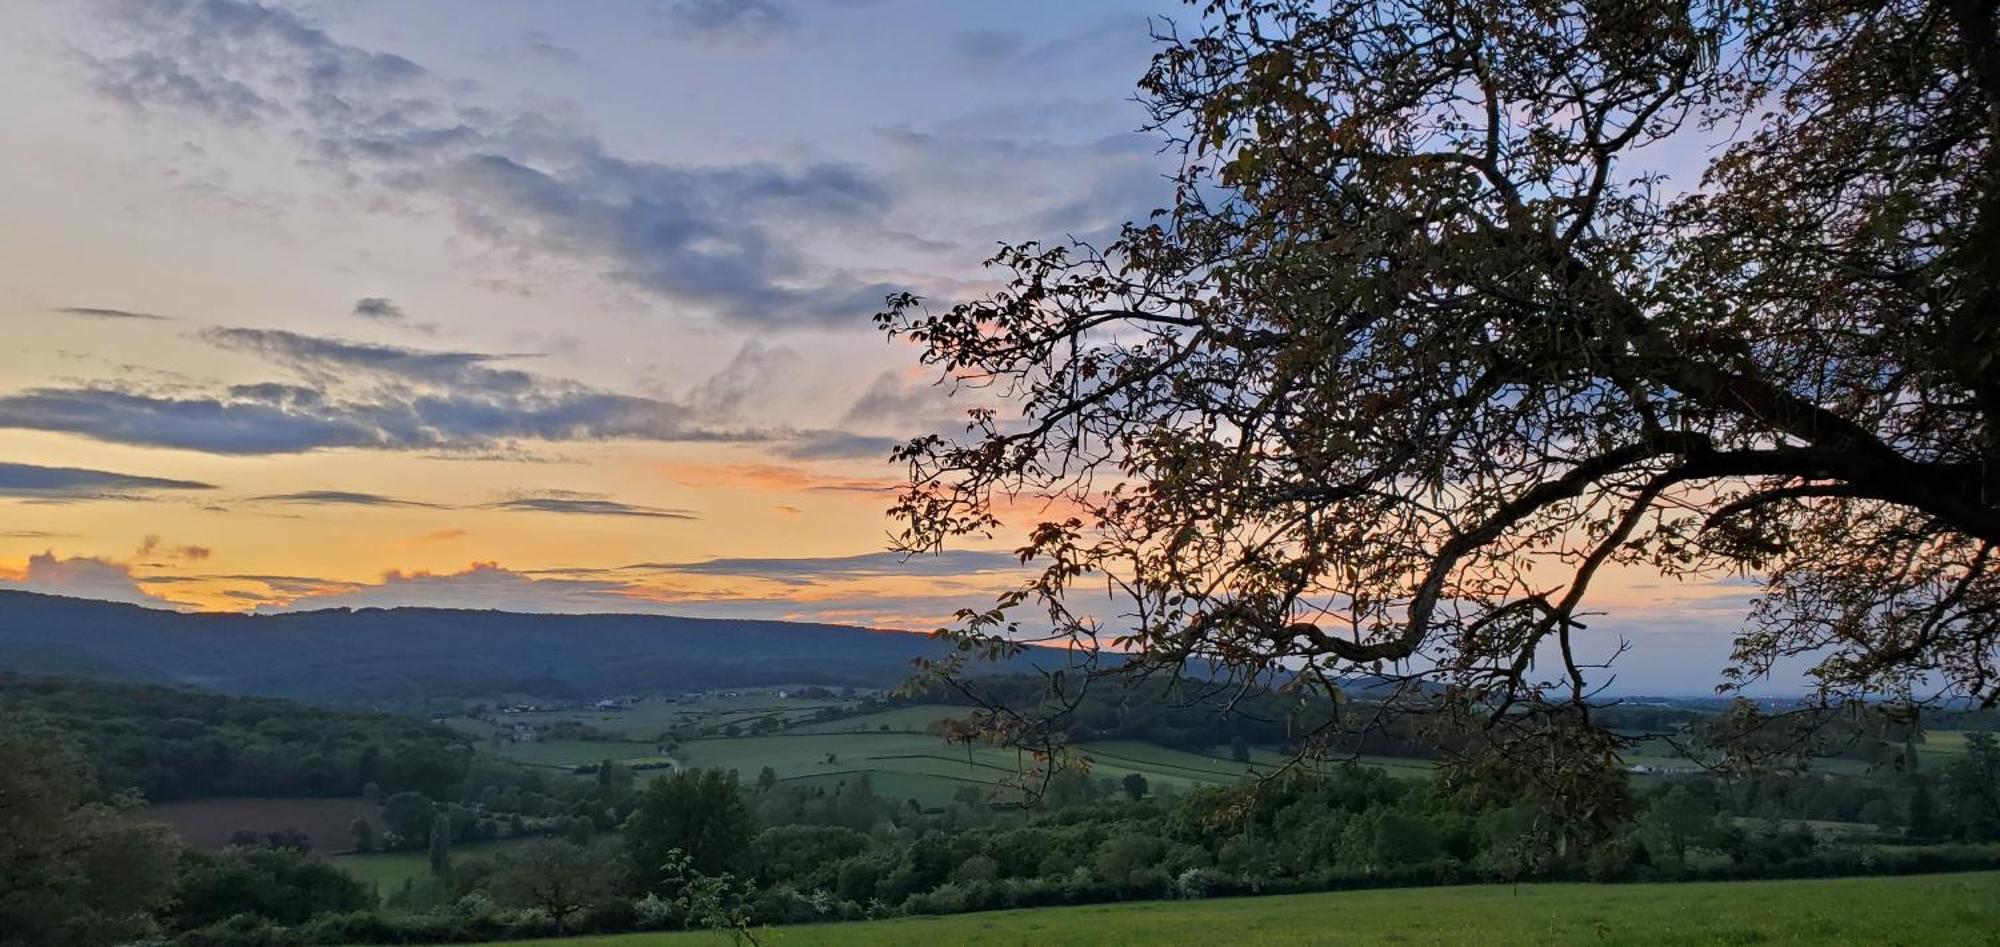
[536, 306]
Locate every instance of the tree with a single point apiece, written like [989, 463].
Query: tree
[362, 832]
[767, 779]
[440, 849]
[560, 877]
[1424, 314]
[280, 885]
[1971, 787]
[409, 816]
[72, 872]
[1134, 785]
[1676, 822]
[700, 813]
[1239, 749]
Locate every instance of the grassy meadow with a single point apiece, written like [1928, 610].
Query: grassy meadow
[388, 870]
[1916, 911]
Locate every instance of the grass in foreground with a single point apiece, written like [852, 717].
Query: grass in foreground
[1919, 910]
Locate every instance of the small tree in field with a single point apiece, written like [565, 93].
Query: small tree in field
[1134, 785]
[1427, 342]
[561, 878]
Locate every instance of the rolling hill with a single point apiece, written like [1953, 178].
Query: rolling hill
[380, 656]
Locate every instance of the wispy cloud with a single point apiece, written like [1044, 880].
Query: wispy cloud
[719, 239]
[341, 498]
[153, 546]
[587, 505]
[97, 312]
[864, 565]
[837, 445]
[753, 20]
[358, 395]
[74, 484]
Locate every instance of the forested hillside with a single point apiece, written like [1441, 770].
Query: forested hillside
[376, 656]
[169, 744]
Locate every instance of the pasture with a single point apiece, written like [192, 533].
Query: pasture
[1929, 910]
[388, 870]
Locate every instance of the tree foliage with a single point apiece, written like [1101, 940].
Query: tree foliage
[72, 872]
[1428, 341]
[696, 814]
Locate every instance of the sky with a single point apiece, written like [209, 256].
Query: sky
[542, 307]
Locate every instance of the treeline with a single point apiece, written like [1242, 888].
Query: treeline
[701, 850]
[166, 743]
[1189, 716]
[617, 850]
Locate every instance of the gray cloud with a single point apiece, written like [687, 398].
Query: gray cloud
[986, 48]
[756, 372]
[340, 498]
[96, 312]
[806, 570]
[714, 237]
[545, 46]
[739, 19]
[359, 396]
[153, 545]
[557, 501]
[889, 398]
[837, 445]
[483, 585]
[379, 309]
[328, 360]
[69, 484]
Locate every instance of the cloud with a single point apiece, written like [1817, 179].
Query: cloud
[480, 585]
[987, 48]
[838, 445]
[545, 46]
[340, 498]
[718, 239]
[753, 20]
[79, 577]
[440, 536]
[328, 360]
[153, 545]
[379, 309]
[864, 565]
[358, 395]
[71, 484]
[894, 398]
[757, 370]
[776, 478]
[842, 589]
[559, 501]
[95, 312]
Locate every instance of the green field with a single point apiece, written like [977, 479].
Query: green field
[1943, 746]
[922, 766]
[898, 748]
[916, 718]
[1925, 910]
[388, 870]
